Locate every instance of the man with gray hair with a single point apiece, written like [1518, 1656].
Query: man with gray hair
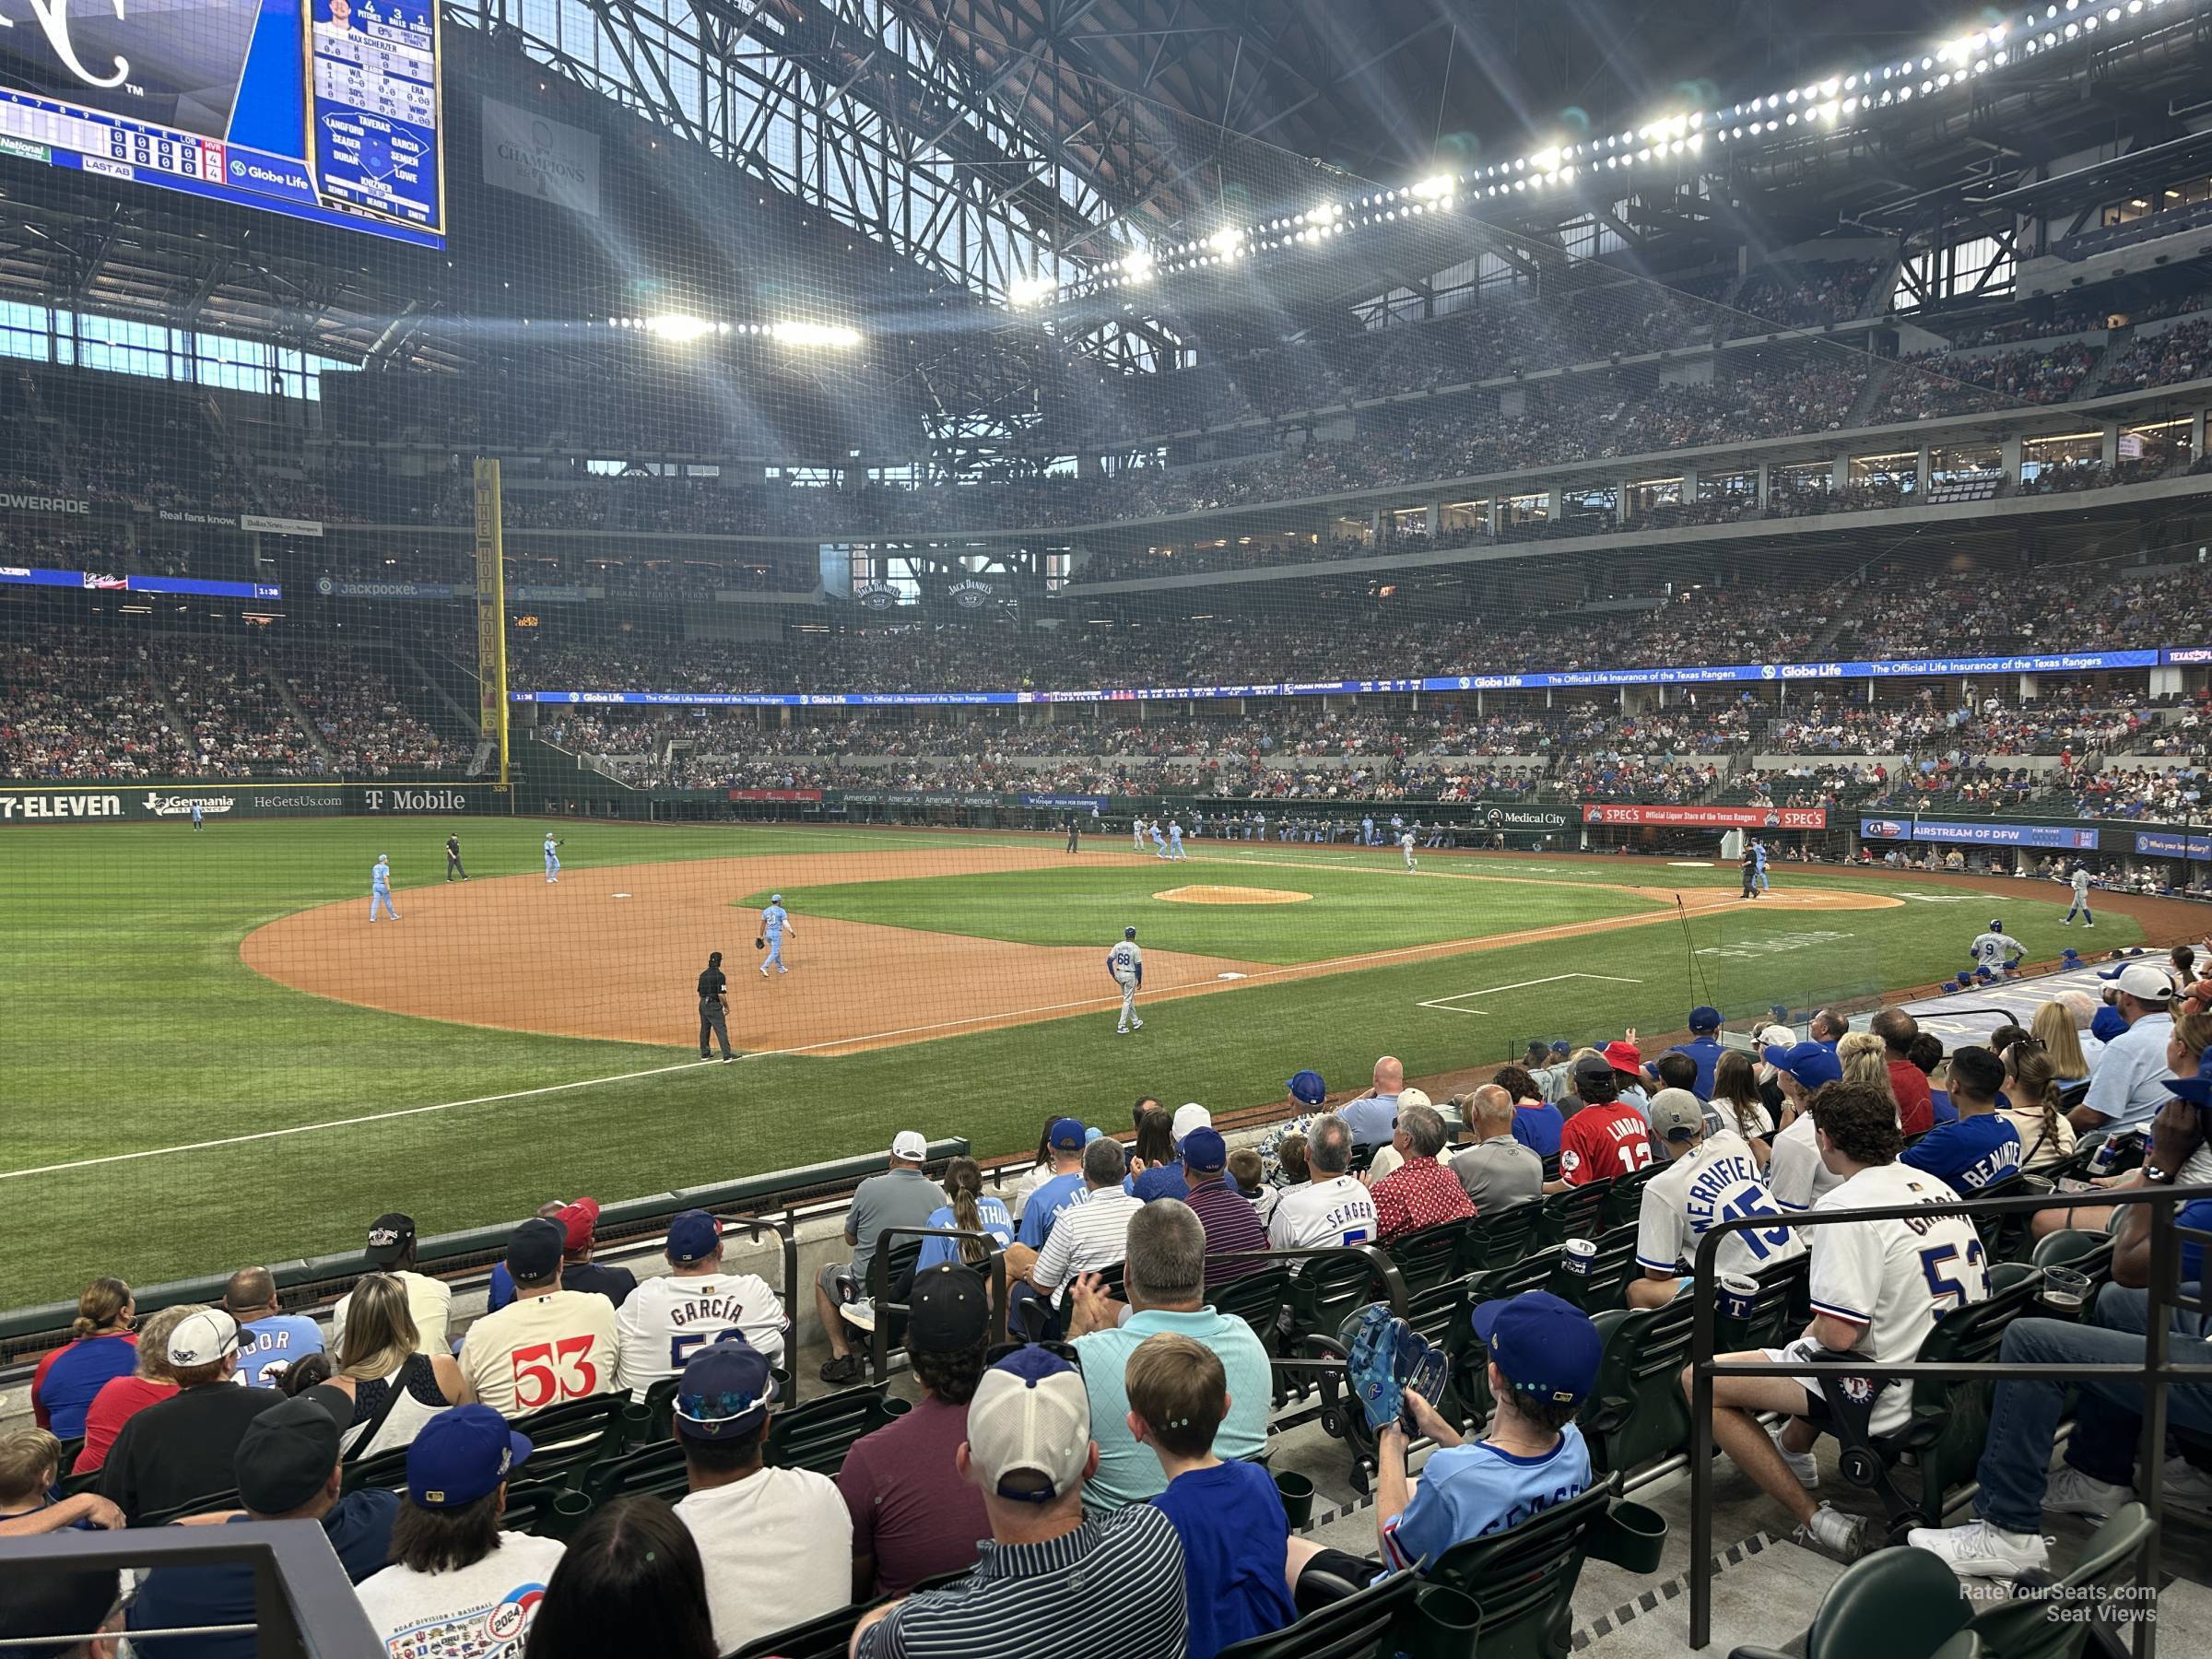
[1332, 1208]
[1420, 1192]
[1166, 1273]
[1497, 1170]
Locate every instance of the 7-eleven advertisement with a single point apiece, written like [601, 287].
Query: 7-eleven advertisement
[1707, 817]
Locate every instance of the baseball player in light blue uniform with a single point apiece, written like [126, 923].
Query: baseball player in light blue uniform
[1175, 841]
[195, 815]
[2079, 880]
[1126, 963]
[379, 889]
[1160, 845]
[552, 858]
[1758, 865]
[774, 924]
[1366, 831]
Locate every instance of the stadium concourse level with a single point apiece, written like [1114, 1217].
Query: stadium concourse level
[613, 1430]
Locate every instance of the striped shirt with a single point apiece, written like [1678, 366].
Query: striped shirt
[1087, 1238]
[1112, 1587]
[1231, 1223]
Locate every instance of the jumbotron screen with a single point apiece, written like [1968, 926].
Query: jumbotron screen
[326, 110]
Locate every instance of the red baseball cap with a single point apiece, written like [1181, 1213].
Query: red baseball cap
[1623, 1056]
[577, 1220]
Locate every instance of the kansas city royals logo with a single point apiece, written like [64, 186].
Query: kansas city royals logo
[53, 18]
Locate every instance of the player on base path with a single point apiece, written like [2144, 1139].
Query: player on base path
[379, 889]
[1126, 963]
[1997, 949]
[1405, 846]
[552, 858]
[2081, 898]
[774, 924]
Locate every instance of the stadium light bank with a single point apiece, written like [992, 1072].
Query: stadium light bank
[682, 328]
[2056, 26]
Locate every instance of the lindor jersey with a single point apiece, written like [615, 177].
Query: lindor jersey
[1894, 1278]
[667, 1319]
[1719, 1180]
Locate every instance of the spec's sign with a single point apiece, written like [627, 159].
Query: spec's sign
[1708, 818]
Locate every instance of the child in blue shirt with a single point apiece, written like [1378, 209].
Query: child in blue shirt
[1228, 1515]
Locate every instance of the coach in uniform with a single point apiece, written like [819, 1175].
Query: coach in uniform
[714, 1008]
[452, 858]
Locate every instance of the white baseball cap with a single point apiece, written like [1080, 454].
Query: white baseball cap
[2144, 981]
[1413, 1097]
[1030, 1415]
[204, 1337]
[1190, 1115]
[909, 1146]
[1777, 1035]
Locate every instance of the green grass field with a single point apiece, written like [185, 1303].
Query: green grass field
[137, 1034]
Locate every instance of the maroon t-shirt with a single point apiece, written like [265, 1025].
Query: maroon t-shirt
[910, 1509]
[1915, 1102]
[1231, 1223]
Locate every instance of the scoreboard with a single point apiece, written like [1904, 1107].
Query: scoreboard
[324, 110]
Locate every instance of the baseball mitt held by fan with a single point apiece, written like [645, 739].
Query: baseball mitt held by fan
[1388, 1356]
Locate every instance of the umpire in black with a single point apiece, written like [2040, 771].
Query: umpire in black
[714, 1008]
[452, 858]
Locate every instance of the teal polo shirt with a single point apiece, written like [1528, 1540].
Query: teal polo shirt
[1129, 1472]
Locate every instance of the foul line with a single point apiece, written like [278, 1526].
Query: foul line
[374, 1117]
[1445, 1004]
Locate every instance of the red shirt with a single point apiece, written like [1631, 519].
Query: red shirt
[1916, 1103]
[119, 1400]
[1601, 1141]
[1420, 1193]
[910, 1509]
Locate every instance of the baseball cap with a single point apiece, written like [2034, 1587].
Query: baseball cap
[2109, 1024]
[1067, 1135]
[1676, 1114]
[1128, 933]
[462, 1455]
[289, 1451]
[577, 1220]
[535, 1249]
[389, 1236]
[1704, 1017]
[948, 1312]
[774, 898]
[204, 1337]
[693, 1237]
[1413, 1097]
[1307, 1088]
[1776, 1035]
[1190, 1115]
[1547, 1348]
[909, 1146]
[1592, 1068]
[724, 1391]
[1812, 1063]
[1031, 1415]
[1560, 1045]
[1163, 1180]
[1624, 1056]
[2144, 981]
[1203, 1149]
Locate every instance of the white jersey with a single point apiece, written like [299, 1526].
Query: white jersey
[1795, 1174]
[1127, 963]
[1406, 841]
[1337, 1211]
[1996, 950]
[670, 1317]
[1719, 1180]
[1894, 1278]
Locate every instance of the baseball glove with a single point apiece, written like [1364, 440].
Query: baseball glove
[760, 944]
[1388, 1356]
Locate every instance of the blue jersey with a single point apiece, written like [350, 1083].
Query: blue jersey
[1045, 1205]
[277, 1343]
[1758, 855]
[1473, 1490]
[1234, 1533]
[1969, 1155]
[380, 878]
[773, 920]
[1707, 1052]
[1539, 1128]
[549, 846]
[936, 1252]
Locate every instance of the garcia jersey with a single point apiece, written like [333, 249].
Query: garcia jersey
[1996, 950]
[1894, 1278]
[1127, 963]
[668, 1318]
[1718, 1181]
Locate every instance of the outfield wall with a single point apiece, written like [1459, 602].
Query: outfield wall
[109, 803]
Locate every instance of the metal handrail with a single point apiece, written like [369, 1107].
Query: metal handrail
[2154, 1374]
[880, 1288]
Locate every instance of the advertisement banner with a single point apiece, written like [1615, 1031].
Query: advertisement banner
[16, 500]
[101, 582]
[535, 156]
[279, 526]
[2075, 837]
[331, 587]
[1068, 802]
[144, 802]
[386, 799]
[1708, 818]
[193, 515]
[917, 797]
[1520, 818]
[775, 794]
[2196, 848]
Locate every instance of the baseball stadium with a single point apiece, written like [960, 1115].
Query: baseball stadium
[1475, 727]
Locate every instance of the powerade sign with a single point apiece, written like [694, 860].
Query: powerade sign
[2074, 838]
[2153, 844]
[1066, 803]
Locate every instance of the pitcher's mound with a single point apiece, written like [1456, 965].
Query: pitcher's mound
[1232, 895]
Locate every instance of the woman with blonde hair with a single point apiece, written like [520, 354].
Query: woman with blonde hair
[99, 1349]
[1865, 1061]
[2054, 1027]
[395, 1389]
[121, 1398]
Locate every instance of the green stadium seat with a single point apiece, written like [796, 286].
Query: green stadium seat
[1499, 1238]
[2046, 1621]
[1895, 1603]
[1636, 1413]
[1605, 1285]
[206, 1504]
[1354, 1628]
[1572, 1214]
[2091, 1253]
[572, 1435]
[827, 1637]
[1624, 1198]
[1470, 1360]
[655, 1471]
[815, 1435]
[1257, 1299]
[1427, 1256]
[1779, 1311]
[1523, 1579]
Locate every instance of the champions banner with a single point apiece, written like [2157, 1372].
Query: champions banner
[491, 612]
[1708, 818]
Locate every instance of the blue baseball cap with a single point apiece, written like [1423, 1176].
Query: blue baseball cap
[1812, 1063]
[462, 1455]
[693, 1237]
[1547, 1347]
[724, 1391]
[1067, 1135]
[1205, 1149]
[1307, 1088]
[1705, 1019]
[1560, 1045]
[1162, 1180]
[2109, 1024]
